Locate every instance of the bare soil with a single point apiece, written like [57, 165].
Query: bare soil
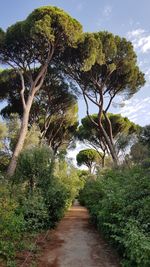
[75, 243]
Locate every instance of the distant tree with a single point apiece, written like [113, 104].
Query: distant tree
[4, 151]
[3, 135]
[34, 43]
[88, 157]
[12, 127]
[62, 128]
[104, 66]
[139, 152]
[144, 137]
[89, 134]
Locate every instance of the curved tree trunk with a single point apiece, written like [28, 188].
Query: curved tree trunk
[110, 146]
[22, 136]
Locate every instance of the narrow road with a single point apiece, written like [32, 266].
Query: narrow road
[75, 243]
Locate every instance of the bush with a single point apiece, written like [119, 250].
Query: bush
[35, 167]
[42, 191]
[70, 178]
[119, 205]
[12, 223]
[56, 198]
[57, 182]
[35, 212]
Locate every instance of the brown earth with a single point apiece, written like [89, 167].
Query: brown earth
[75, 243]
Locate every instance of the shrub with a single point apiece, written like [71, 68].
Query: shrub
[34, 210]
[56, 199]
[119, 205]
[35, 166]
[42, 191]
[12, 223]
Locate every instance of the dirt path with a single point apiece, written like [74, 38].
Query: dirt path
[75, 243]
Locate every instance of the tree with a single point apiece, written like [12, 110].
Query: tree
[89, 134]
[9, 132]
[139, 152]
[89, 158]
[46, 103]
[34, 43]
[104, 66]
[62, 128]
[3, 134]
[144, 136]
[56, 119]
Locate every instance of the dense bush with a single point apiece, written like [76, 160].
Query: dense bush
[41, 191]
[35, 168]
[34, 211]
[57, 182]
[12, 223]
[119, 204]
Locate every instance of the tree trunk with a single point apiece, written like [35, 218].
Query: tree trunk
[103, 161]
[110, 145]
[22, 136]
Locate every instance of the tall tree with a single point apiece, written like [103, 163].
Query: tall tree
[104, 66]
[34, 43]
[89, 134]
[54, 109]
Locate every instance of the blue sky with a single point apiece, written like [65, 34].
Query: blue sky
[128, 18]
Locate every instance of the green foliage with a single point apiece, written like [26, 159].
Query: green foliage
[87, 131]
[104, 66]
[145, 136]
[42, 190]
[119, 205]
[4, 161]
[69, 177]
[27, 41]
[13, 126]
[35, 167]
[11, 223]
[33, 137]
[139, 152]
[58, 183]
[3, 134]
[57, 121]
[123, 131]
[89, 158]
[62, 127]
[34, 210]
[56, 198]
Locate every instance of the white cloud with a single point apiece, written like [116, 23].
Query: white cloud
[107, 11]
[140, 39]
[137, 110]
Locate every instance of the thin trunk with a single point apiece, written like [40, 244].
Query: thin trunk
[22, 136]
[103, 160]
[110, 134]
[110, 146]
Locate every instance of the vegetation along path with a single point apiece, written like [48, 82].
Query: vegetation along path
[75, 243]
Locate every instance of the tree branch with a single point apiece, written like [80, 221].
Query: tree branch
[87, 111]
[22, 90]
[22, 84]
